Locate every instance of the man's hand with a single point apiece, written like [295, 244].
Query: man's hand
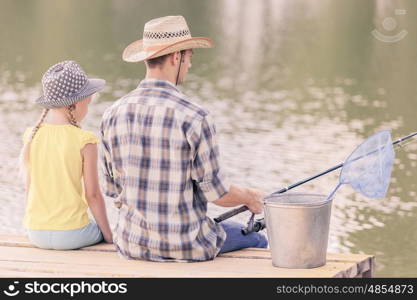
[255, 203]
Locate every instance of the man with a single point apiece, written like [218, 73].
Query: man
[161, 159]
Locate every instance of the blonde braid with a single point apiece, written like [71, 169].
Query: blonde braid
[71, 117]
[25, 152]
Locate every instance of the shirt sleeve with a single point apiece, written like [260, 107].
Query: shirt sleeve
[206, 172]
[111, 188]
[88, 138]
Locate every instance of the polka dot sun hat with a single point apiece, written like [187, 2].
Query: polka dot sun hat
[65, 83]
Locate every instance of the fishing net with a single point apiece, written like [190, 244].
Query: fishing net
[368, 168]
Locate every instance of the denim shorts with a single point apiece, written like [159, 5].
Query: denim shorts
[66, 239]
[236, 240]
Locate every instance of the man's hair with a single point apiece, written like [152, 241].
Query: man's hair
[159, 61]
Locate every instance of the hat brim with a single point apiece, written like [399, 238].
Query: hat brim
[134, 52]
[92, 86]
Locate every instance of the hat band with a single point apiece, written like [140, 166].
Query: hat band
[165, 35]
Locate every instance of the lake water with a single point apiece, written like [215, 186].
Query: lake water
[294, 87]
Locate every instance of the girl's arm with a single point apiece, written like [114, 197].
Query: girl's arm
[92, 190]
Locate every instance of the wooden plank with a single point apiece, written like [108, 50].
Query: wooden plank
[105, 264]
[370, 272]
[55, 274]
[254, 253]
[54, 270]
[338, 265]
[14, 240]
[363, 268]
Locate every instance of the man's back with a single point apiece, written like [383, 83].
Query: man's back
[161, 161]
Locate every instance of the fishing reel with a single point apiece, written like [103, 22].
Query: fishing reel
[253, 226]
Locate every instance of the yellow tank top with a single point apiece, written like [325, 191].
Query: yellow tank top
[56, 199]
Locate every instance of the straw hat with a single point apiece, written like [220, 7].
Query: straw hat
[65, 83]
[163, 36]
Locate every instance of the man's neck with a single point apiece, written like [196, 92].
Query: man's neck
[159, 74]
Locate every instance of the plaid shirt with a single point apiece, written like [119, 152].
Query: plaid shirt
[160, 159]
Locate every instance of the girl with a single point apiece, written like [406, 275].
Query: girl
[56, 157]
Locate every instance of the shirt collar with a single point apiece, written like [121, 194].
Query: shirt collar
[157, 83]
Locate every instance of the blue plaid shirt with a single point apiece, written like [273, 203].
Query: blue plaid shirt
[160, 160]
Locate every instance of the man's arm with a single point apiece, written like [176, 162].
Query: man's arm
[209, 178]
[239, 195]
[111, 187]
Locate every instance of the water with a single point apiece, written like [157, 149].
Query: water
[294, 86]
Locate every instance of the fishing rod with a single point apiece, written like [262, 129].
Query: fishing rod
[260, 223]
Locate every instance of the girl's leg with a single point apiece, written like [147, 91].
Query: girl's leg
[236, 240]
[77, 238]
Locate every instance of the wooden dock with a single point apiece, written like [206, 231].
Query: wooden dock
[18, 258]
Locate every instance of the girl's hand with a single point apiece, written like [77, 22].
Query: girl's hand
[108, 238]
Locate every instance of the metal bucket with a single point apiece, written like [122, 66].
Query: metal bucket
[298, 229]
